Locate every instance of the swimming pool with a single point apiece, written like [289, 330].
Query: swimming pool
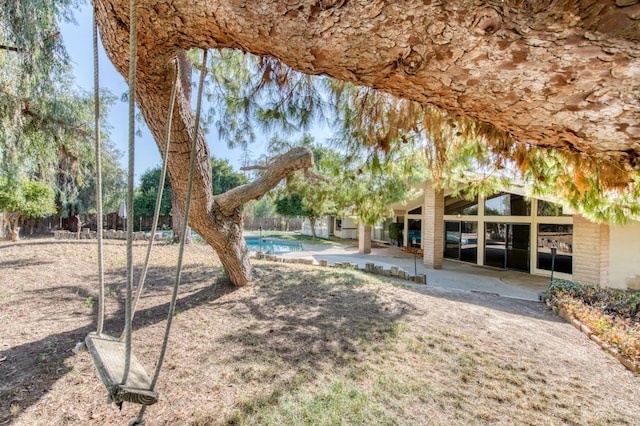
[268, 245]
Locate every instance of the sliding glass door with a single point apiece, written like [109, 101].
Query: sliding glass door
[507, 246]
[518, 247]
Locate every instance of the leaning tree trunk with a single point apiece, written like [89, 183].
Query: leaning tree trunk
[312, 222]
[177, 218]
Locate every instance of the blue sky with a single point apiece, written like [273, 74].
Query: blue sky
[78, 41]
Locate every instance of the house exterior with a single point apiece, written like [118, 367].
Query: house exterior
[510, 231]
[345, 227]
[506, 230]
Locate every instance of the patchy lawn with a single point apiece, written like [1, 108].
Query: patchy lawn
[303, 345]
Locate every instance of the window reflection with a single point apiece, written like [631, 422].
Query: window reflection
[461, 241]
[546, 208]
[381, 230]
[507, 246]
[495, 242]
[415, 232]
[560, 236]
[507, 205]
[460, 206]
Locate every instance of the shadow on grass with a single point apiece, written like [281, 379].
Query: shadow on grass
[322, 322]
[17, 264]
[304, 321]
[308, 323]
[29, 370]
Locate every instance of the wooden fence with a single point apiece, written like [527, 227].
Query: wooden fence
[49, 224]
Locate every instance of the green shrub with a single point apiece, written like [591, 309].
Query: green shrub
[395, 229]
[613, 315]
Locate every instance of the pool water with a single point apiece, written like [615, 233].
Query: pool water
[268, 245]
[272, 246]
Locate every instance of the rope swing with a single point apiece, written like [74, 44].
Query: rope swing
[121, 372]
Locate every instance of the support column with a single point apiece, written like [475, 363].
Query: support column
[364, 239]
[433, 225]
[590, 252]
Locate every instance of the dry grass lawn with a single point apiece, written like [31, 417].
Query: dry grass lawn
[301, 346]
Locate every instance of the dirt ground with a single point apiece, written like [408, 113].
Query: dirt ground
[301, 345]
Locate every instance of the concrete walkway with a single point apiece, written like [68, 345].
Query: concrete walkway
[453, 275]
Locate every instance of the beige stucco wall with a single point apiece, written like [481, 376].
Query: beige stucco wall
[349, 230]
[624, 254]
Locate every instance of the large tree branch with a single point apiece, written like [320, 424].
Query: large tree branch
[47, 120]
[20, 50]
[311, 176]
[11, 48]
[564, 75]
[299, 158]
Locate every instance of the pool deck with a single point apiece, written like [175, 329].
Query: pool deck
[453, 275]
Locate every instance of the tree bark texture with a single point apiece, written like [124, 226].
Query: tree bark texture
[562, 74]
[177, 218]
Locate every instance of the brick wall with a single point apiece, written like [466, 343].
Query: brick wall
[590, 251]
[433, 227]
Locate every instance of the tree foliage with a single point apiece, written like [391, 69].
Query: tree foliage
[264, 207]
[147, 192]
[37, 117]
[46, 123]
[360, 182]
[291, 205]
[368, 186]
[307, 194]
[25, 199]
[575, 181]
[224, 177]
[460, 152]
[254, 96]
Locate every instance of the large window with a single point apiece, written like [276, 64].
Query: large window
[507, 205]
[461, 241]
[415, 232]
[460, 206]
[381, 231]
[561, 237]
[546, 208]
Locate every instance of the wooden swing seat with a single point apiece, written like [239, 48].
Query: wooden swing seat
[109, 358]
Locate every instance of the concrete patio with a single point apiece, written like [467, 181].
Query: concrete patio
[453, 275]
